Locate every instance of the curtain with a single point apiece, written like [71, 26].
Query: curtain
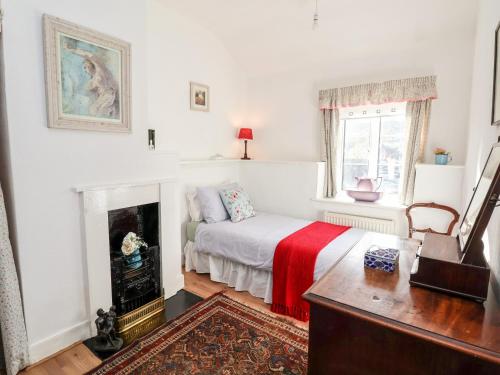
[2, 359]
[417, 119]
[330, 130]
[401, 90]
[13, 330]
[417, 92]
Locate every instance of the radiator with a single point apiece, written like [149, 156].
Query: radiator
[362, 222]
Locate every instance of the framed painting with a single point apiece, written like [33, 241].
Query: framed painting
[199, 97]
[495, 113]
[87, 78]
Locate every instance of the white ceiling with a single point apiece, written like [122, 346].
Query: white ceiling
[267, 36]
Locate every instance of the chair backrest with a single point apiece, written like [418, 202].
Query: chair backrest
[412, 229]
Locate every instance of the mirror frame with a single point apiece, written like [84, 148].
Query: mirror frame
[491, 199]
[495, 117]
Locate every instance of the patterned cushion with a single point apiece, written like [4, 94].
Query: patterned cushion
[237, 203]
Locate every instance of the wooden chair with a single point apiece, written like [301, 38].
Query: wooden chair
[412, 229]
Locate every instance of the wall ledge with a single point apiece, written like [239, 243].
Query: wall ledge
[290, 162]
[212, 162]
[207, 162]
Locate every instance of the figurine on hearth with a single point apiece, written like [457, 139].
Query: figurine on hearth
[106, 341]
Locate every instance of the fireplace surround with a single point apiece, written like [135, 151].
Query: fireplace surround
[98, 202]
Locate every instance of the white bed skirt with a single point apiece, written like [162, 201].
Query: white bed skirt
[258, 283]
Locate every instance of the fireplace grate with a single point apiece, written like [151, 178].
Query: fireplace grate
[134, 287]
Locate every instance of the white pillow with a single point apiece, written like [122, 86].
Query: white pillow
[194, 207]
[212, 208]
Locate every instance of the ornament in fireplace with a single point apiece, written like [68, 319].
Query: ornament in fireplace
[131, 247]
[106, 341]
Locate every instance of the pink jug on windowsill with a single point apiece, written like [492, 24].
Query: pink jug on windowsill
[368, 184]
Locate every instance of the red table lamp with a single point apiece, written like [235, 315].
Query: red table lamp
[246, 134]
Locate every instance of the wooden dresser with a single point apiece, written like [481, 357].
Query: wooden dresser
[365, 321]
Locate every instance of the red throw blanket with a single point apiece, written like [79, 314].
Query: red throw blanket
[293, 267]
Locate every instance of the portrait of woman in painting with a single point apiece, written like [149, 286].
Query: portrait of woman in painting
[89, 80]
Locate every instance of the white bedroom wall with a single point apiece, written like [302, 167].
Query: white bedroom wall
[46, 164]
[282, 187]
[180, 51]
[481, 134]
[283, 107]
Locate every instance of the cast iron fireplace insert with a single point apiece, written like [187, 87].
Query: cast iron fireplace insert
[135, 287]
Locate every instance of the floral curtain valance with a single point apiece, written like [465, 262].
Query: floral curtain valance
[401, 90]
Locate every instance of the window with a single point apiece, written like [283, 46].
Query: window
[373, 145]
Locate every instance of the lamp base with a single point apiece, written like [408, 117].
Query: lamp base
[245, 157]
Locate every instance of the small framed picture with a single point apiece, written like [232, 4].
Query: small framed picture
[495, 113]
[199, 97]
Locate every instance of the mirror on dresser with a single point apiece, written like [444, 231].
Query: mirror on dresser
[457, 264]
[482, 204]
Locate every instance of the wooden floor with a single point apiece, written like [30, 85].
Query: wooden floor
[77, 359]
[201, 285]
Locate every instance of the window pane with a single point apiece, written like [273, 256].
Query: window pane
[392, 133]
[356, 151]
[350, 174]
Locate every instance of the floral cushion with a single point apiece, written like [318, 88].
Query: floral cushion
[237, 203]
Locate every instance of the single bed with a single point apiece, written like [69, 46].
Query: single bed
[241, 254]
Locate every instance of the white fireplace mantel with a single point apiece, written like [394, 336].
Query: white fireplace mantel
[121, 185]
[96, 201]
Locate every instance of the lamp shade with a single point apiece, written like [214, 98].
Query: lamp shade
[245, 133]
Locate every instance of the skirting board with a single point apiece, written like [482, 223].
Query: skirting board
[79, 332]
[58, 341]
[173, 289]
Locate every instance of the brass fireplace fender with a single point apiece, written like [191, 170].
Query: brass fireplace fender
[141, 321]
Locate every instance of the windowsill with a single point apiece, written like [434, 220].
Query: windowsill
[390, 202]
[431, 165]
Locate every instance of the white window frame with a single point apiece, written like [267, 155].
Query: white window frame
[375, 113]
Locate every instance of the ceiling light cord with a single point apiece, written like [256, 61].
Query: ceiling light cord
[316, 17]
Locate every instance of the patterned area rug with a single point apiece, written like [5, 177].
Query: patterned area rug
[216, 336]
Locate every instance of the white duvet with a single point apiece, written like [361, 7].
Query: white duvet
[252, 242]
